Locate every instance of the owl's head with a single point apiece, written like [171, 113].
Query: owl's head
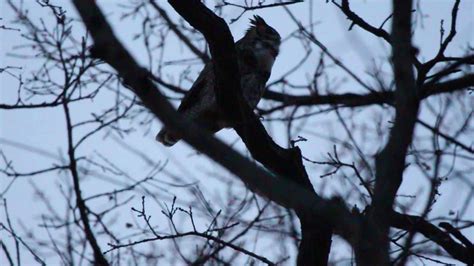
[262, 32]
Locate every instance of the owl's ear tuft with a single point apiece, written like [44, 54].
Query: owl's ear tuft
[257, 20]
[258, 23]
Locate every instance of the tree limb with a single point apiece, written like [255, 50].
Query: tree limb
[390, 162]
[283, 191]
[430, 231]
[353, 99]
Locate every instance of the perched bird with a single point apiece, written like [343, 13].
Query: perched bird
[256, 52]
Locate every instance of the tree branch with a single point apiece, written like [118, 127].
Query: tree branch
[99, 259]
[390, 163]
[353, 99]
[430, 231]
[357, 20]
[173, 27]
[280, 190]
[287, 163]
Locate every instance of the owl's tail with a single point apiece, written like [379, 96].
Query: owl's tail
[166, 137]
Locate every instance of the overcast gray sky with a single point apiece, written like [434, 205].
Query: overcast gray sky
[44, 129]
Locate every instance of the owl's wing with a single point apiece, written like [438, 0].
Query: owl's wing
[197, 91]
[199, 96]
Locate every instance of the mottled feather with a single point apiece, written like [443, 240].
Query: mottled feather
[256, 53]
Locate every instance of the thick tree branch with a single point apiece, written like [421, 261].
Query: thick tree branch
[283, 191]
[390, 163]
[287, 100]
[316, 235]
[430, 231]
[353, 99]
[287, 163]
[280, 190]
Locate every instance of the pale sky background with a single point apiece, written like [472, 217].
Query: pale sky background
[44, 129]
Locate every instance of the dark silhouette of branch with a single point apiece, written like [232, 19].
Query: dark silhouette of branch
[207, 234]
[199, 234]
[289, 186]
[423, 69]
[54, 103]
[204, 57]
[326, 51]
[390, 162]
[353, 99]
[458, 235]
[7, 253]
[260, 5]
[430, 231]
[446, 137]
[287, 163]
[18, 240]
[357, 20]
[444, 44]
[99, 258]
[108, 48]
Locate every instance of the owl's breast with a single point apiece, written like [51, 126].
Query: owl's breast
[253, 87]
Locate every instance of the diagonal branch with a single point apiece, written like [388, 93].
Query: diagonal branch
[357, 20]
[379, 32]
[287, 163]
[283, 191]
[430, 231]
[178, 33]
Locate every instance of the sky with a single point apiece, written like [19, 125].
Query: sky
[45, 129]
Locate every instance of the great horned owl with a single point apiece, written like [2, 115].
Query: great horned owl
[256, 52]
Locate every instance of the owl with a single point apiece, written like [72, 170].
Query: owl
[256, 52]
